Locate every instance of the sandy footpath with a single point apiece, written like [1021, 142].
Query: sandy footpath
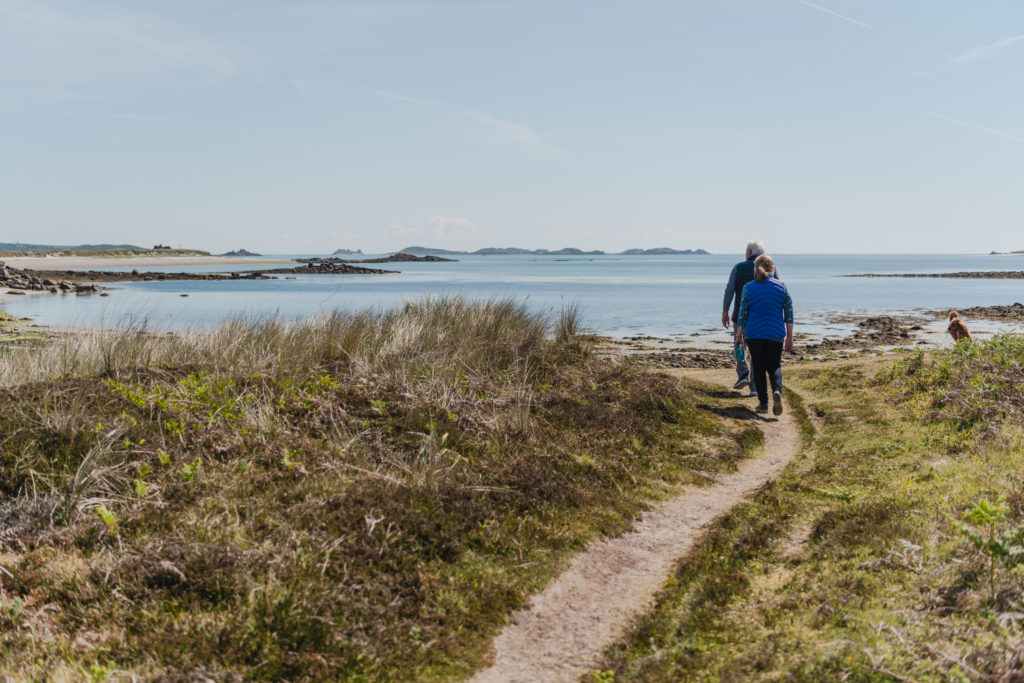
[98, 263]
[562, 632]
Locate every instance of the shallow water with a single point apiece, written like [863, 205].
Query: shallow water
[617, 295]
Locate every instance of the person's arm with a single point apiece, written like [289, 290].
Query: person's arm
[730, 290]
[741, 320]
[787, 317]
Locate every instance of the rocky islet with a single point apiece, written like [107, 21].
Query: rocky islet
[19, 281]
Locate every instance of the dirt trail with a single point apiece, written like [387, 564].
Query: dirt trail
[561, 633]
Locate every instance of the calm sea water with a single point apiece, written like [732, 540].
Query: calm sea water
[617, 295]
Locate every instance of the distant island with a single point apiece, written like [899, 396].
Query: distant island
[996, 253]
[93, 250]
[506, 251]
[345, 252]
[568, 251]
[240, 252]
[21, 246]
[399, 257]
[659, 251]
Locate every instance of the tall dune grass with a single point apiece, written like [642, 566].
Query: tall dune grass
[354, 496]
[479, 334]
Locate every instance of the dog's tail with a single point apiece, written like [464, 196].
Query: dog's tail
[953, 315]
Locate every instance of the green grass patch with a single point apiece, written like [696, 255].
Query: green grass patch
[977, 385]
[890, 550]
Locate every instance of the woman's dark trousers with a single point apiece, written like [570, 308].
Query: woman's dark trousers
[766, 359]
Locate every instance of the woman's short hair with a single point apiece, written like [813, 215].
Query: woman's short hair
[764, 266]
[756, 247]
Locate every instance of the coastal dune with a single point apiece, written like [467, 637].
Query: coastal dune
[86, 262]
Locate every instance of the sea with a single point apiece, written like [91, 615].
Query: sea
[616, 295]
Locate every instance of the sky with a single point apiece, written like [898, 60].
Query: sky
[304, 126]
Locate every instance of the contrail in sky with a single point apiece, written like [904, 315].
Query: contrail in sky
[977, 127]
[980, 52]
[493, 129]
[836, 14]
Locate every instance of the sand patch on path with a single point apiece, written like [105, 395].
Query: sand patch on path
[562, 632]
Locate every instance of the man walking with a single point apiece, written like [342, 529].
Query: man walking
[742, 273]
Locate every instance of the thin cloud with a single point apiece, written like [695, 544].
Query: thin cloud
[147, 118]
[837, 14]
[411, 100]
[490, 130]
[985, 50]
[453, 227]
[396, 228]
[38, 29]
[977, 127]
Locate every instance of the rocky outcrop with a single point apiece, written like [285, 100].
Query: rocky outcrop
[968, 275]
[20, 281]
[1012, 312]
[400, 257]
[240, 252]
[83, 281]
[136, 276]
[326, 266]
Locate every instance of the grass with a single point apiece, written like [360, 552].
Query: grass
[890, 550]
[976, 384]
[359, 497]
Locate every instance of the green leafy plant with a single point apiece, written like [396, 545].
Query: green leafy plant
[190, 470]
[289, 460]
[1004, 547]
[108, 517]
[139, 482]
[11, 611]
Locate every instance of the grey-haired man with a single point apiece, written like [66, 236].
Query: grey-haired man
[742, 273]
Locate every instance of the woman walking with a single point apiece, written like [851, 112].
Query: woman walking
[766, 322]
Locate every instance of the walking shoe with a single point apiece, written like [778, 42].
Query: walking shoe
[740, 383]
[762, 408]
[753, 391]
[777, 403]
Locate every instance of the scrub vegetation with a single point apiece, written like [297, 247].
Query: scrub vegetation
[352, 497]
[891, 550]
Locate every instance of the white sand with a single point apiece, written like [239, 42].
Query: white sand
[99, 262]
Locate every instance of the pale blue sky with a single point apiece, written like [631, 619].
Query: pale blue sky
[304, 126]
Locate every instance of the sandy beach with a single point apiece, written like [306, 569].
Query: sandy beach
[88, 262]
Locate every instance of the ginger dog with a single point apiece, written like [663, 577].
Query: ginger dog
[957, 329]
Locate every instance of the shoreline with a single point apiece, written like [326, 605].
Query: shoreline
[87, 262]
[962, 275]
[871, 334]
